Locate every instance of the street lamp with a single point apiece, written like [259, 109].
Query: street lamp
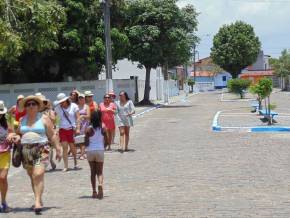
[107, 20]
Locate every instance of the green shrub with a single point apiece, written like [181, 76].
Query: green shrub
[239, 86]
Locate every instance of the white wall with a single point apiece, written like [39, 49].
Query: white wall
[218, 79]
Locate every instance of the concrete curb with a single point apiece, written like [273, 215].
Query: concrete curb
[161, 105]
[257, 129]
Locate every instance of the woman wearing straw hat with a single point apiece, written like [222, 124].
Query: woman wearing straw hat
[69, 126]
[36, 130]
[90, 101]
[6, 138]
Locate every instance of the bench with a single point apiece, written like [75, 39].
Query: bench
[265, 114]
[255, 107]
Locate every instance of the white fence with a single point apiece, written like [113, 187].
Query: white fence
[157, 89]
[204, 86]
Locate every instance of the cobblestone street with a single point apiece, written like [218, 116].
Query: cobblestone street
[177, 167]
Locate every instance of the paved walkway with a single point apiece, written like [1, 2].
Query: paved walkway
[178, 168]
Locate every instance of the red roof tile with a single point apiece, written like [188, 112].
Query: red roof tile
[258, 73]
[203, 73]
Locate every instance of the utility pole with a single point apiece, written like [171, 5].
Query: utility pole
[194, 68]
[107, 19]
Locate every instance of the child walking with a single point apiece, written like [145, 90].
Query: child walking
[95, 141]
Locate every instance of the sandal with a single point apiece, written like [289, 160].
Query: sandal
[100, 192]
[4, 208]
[95, 195]
[37, 211]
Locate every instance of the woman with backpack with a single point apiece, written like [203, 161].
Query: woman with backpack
[95, 140]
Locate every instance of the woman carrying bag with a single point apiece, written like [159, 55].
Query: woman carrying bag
[69, 126]
[35, 132]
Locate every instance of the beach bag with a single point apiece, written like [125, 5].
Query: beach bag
[17, 156]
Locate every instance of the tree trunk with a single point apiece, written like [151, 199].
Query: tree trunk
[166, 85]
[269, 112]
[146, 98]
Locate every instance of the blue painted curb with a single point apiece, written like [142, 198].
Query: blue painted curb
[217, 128]
[271, 129]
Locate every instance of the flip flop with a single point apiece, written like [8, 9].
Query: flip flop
[4, 208]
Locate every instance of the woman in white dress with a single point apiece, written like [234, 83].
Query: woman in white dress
[125, 110]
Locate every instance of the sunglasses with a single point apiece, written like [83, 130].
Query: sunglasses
[107, 97]
[31, 104]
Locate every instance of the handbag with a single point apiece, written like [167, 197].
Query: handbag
[17, 156]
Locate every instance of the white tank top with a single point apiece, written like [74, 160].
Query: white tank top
[96, 141]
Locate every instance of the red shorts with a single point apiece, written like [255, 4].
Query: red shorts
[66, 135]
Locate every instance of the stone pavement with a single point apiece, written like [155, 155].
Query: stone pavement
[177, 167]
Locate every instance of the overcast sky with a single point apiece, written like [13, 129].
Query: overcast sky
[270, 19]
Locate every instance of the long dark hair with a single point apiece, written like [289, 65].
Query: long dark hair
[126, 95]
[96, 119]
[3, 122]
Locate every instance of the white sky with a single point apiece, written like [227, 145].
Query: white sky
[270, 19]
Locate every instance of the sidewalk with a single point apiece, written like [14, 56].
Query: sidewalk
[157, 103]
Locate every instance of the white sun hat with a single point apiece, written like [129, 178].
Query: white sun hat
[3, 109]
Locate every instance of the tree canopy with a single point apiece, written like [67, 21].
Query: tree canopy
[48, 40]
[235, 47]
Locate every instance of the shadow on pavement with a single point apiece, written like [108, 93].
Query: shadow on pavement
[176, 106]
[29, 210]
[120, 151]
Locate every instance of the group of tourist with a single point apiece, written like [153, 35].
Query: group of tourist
[40, 126]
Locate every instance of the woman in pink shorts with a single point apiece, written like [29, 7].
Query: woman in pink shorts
[108, 109]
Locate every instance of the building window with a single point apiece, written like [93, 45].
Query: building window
[224, 78]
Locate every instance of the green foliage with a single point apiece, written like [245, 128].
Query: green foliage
[190, 82]
[29, 26]
[235, 47]
[64, 35]
[238, 86]
[281, 65]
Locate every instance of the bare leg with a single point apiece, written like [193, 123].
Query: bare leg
[3, 184]
[83, 149]
[127, 137]
[113, 136]
[93, 178]
[110, 136]
[122, 137]
[52, 163]
[38, 184]
[73, 149]
[65, 155]
[99, 167]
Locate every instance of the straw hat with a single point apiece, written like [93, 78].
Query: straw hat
[41, 96]
[3, 109]
[111, 93]
[32, 98]
[61, 97]
[81, 95]
[89, 93]
[20, 97]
